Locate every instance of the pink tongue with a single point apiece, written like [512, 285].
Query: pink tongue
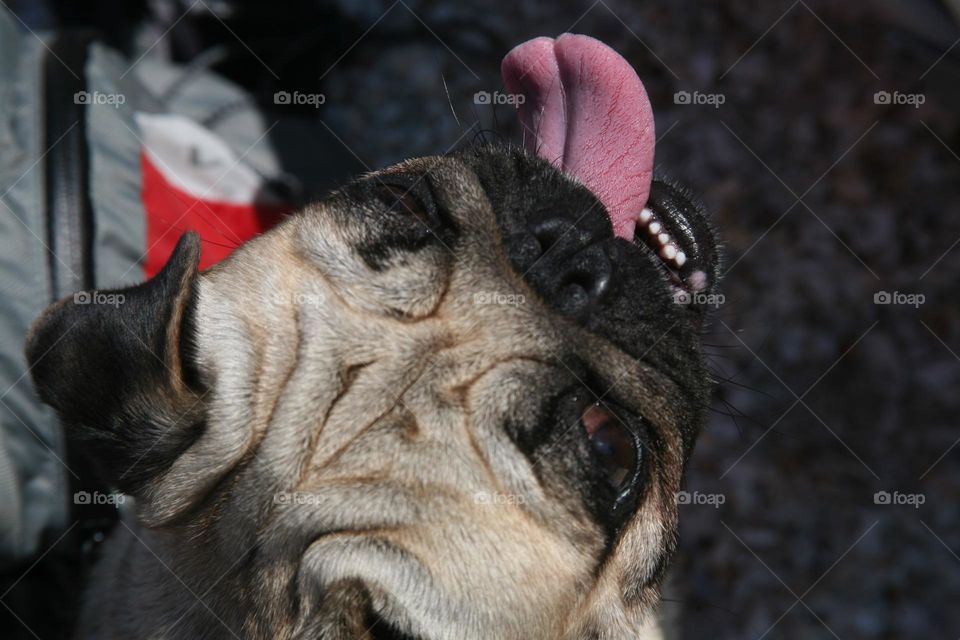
[586, 112]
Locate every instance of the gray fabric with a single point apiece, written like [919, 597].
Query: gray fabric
[119, 238]
[33, 478]
[309, 151]
[206, 95]
[115, 145]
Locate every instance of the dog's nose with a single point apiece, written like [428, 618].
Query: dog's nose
[564, 262]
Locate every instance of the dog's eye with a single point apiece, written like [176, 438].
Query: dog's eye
[613, 444]
[403, 201]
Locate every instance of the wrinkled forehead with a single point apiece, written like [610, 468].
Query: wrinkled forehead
[447, 327]
[456, 297]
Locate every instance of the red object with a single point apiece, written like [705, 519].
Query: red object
[223, 226]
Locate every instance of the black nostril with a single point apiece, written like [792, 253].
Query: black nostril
[549, 231]
[524, 250]
[568, 265]
[583, 280]
[592, 270]
[559, 235]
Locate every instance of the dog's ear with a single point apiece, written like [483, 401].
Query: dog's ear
[118, 366]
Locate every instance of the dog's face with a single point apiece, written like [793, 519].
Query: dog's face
[447, 401]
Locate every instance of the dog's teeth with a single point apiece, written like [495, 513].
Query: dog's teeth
[668, 248]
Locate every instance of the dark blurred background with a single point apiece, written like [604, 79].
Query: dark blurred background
[824, 137]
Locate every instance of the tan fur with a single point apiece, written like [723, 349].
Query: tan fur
[376, 400]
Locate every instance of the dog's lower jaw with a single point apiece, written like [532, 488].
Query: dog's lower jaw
[172, 589]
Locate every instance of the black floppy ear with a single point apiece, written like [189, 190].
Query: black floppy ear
[118, 366]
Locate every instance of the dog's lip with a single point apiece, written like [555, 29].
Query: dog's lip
[672, 227]
[667, 232]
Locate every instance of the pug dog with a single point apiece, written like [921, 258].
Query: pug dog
[452, 400]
